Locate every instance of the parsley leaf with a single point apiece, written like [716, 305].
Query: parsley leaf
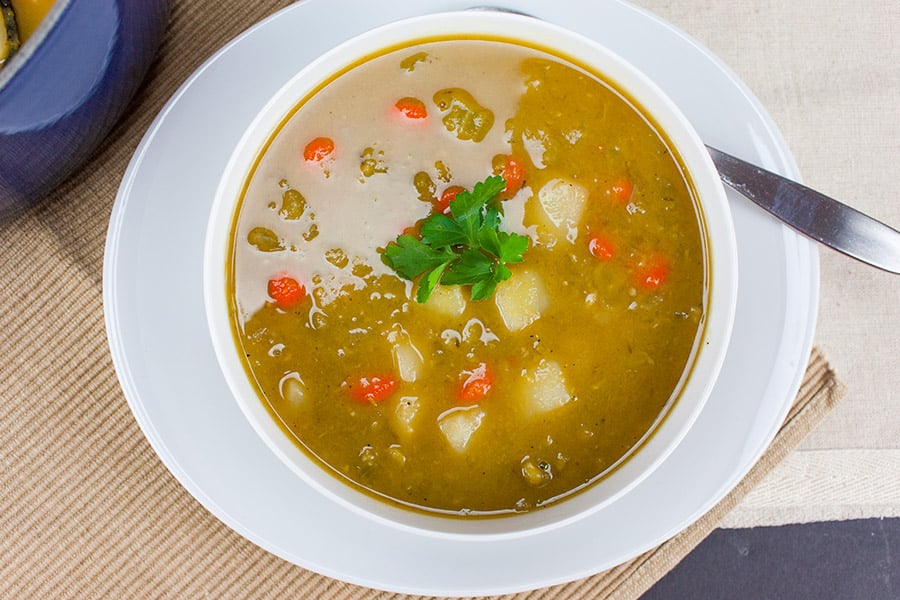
[466, 247]
[473, 266]
[441, 230]
[429, 282]
[410, 257]
[512, 247]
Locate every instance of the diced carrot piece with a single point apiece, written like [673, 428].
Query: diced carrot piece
[411, 108]
[371, 390]
[286, 292]
[602, 248]
[652, 273]
[477, 384]
[318, 149]
[621, 190]
[514, 174]
[443, 203]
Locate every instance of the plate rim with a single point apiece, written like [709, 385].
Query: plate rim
[133, 395]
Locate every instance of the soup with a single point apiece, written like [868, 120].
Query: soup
[20, 20]
[556, 293]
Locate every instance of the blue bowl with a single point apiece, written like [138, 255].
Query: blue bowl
[66, 88]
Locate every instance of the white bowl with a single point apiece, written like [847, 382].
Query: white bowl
[710, 347]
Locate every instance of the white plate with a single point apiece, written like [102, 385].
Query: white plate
[165, 362]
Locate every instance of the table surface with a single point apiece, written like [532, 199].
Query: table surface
[829, 74]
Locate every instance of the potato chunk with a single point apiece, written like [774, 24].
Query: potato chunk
[293, 390]
[521, 299]
[403, 415]
[407, 359]
[543, 389]
[447, 300]
[458, 425]
[563, 203]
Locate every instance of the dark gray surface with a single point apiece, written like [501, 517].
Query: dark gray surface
[855, 560]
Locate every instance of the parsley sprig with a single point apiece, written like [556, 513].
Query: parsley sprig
[466, 247]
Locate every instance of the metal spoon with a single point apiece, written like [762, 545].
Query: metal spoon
[813, 214]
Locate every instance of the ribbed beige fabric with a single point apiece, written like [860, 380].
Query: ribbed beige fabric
[87, 510]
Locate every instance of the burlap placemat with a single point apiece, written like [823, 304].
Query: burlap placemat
[87, 510]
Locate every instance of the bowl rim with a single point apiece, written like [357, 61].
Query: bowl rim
[710, 345]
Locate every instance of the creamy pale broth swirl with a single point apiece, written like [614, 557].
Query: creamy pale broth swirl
[361, 216]
[585, 345]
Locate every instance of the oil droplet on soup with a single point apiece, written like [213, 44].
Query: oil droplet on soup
[454, 405]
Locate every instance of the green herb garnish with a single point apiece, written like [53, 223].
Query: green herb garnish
[465, 248]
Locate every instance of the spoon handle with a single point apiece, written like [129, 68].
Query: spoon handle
[813, 214]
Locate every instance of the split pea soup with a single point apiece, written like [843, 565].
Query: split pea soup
[467, 277]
